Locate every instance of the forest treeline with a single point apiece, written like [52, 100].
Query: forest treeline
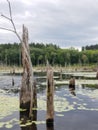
[10, 54]
[90, 47]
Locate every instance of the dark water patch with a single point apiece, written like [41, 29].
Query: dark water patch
[77, 120]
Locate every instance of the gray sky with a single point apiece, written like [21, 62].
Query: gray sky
[62, 22]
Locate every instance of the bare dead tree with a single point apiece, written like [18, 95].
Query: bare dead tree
[13, 29]
[28, 87]
[10, 19]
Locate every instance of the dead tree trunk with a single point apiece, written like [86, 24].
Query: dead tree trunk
[27, 87]
[34, 112]
[50, 96]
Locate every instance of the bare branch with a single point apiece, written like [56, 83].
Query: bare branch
[18, 36]
[11, 19]
[6, 17]
[10, 11]
[12, 31]
[7, 29]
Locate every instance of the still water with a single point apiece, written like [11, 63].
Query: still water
[74, 110]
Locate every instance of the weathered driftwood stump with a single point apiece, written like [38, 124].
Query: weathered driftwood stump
[50, 97]
[72, 86]
[72, 83]
[28, 87]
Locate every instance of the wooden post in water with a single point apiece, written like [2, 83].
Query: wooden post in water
[72, 83]
[27, 87]
[34, 112]
[97, 74]
[72, 86]
[60, 74]
[50, 97]
[13, 74]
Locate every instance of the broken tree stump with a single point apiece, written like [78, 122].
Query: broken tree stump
[50, 97]
[27, 86]
[72, 83]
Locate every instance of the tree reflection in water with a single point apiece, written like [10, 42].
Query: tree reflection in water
[25, 120]
[50, 125]
[73, 92]
[27, 123]
[30, 127]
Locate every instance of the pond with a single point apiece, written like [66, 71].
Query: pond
[74, 110]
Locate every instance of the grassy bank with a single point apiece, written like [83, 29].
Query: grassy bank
[75, 68]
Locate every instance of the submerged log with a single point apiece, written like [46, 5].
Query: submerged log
[27, 87]
[50, 97]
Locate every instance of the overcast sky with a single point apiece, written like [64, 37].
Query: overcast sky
[62, 22]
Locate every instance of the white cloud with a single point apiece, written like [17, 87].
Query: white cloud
[27, 2]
